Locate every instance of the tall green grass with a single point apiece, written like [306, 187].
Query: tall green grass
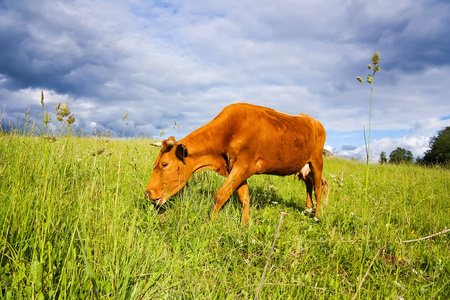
[74, 224]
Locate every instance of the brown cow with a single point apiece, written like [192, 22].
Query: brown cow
[241, 141]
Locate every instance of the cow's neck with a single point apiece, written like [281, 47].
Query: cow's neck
[205, 150]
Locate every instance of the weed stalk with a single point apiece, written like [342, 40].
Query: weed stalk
[270, 254]
[375, 67]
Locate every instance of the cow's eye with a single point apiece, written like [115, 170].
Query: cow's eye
[164, 164]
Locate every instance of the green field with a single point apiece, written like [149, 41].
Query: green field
[75, 224]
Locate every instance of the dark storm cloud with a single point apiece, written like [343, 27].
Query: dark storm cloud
[348, 147]
[55, 46]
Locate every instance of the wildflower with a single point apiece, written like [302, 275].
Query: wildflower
[369, 67]
[359, 79]
[412, 233]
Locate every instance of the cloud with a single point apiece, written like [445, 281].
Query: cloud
[418, 145]
[428, 126]
[348, 147]
[183, 61]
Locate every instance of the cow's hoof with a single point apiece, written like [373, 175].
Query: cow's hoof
[309, 210]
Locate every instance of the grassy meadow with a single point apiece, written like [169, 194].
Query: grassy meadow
[74, 224]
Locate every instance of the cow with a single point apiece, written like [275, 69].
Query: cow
[243, 140]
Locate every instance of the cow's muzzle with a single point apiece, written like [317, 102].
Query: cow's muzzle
[160, 200]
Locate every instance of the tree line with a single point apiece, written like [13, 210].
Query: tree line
[439, 152]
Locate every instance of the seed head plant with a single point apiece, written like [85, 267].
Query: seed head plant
[46, 117]
[125, 117]
[374, 67]
[42, 99]
[63, 117]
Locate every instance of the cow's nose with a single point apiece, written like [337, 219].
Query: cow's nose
[147, 194]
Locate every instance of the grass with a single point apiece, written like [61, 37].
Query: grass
[74, 224]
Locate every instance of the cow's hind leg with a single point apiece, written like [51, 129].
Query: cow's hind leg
[317, 176]
[244, 197]
[306, 175]
[309, 180]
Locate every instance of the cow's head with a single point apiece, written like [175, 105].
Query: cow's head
[170, 173]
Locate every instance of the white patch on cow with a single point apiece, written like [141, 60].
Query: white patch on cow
[161, 201]
[305, 171]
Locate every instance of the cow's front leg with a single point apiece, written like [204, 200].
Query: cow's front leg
[244, 197]
[233, 182]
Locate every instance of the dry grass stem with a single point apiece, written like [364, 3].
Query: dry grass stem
[445, 230]
[270, 254]
[365, 275]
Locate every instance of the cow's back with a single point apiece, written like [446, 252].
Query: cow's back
[274, 142]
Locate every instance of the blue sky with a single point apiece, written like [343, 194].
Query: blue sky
[183, 61]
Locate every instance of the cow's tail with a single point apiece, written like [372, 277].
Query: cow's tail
[325, 191]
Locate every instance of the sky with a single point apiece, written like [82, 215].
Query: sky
[173, 65]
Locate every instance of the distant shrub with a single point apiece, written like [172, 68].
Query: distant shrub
[400, 155]
[439, 152]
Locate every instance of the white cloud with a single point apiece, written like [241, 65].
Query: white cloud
[184, 61]
[416, 144]
[429, 126]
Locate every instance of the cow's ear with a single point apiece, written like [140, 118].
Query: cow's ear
[181, 152]
[168, 144]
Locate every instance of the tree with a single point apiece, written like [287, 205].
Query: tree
[439, 152]
[383, 158]
[400, 155]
